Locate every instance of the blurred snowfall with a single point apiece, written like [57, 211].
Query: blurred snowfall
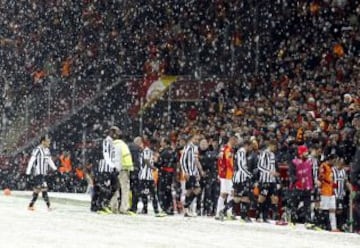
[72, 225]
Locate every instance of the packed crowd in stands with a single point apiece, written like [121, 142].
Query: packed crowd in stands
[76, 42]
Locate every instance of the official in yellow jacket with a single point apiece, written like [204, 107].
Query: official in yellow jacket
[123, 160]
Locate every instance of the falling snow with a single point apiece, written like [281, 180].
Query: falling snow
[281, 69]
[71, 225]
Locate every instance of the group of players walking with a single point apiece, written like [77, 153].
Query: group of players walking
[139, 167]
[243, 178]
[250, 178]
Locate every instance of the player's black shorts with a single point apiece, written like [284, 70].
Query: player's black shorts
[315, 195]
[39, 182]
[340, 204]
[147, 187]
[242, 189]
[192, 182]
[103, 179]
[267, 189]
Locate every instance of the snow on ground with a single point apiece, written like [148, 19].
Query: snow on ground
[72, 225]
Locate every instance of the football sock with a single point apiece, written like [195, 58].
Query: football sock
[245, 206]
[333, 221]
[46, 198]
[33, 200]
[220, 205]
[188, 200]
[228, 206]
[275, 213]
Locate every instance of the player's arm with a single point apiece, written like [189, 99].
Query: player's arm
[256, 171]
[156, 157]
[182, 162]
[30, 165]
[263, 160]
[148, 156]
[198, 164]
[253, 168]
[292, 172]
[52, 164]
[245, 164]
[221, 153]
[31, 161]
[229, 157]
[316, 176]
[200, 168]
[348, 185]
[152, 166]
[148, 162]
[162, 160]
[321, 175]
[276, 172]
[237, 160]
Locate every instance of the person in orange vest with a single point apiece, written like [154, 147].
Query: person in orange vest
[65, 160]
[38, 76]
[79, 174]
[65, 169]
[66, 68]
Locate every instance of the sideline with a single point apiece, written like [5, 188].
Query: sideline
[82, 199]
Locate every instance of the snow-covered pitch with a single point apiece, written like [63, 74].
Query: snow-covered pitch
[71, 224]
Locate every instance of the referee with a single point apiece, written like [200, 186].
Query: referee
[38, 167]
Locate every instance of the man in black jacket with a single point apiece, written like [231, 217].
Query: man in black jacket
[208, 155]
[135, 149]
[167, 169]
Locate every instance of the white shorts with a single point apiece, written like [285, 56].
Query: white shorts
[183, 188]
[226, 186]
[327, 202]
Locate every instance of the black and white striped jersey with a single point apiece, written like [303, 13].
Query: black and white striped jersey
[40, 162]
[104, 167]
[340, 179]
[108, 151]
[267, 166]
[188, 159]
[242, 173]
[146, 172]
[315, 168]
